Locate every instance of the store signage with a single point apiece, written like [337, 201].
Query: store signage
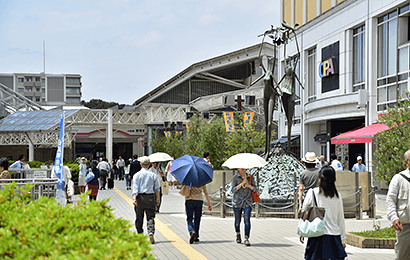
[326, 68]
[329, 67]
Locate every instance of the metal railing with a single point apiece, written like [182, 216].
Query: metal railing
[289, 208]
[42, 187]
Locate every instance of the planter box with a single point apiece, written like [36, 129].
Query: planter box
[366, 242]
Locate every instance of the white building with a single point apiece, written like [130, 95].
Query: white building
[44, 88]
[354, 60]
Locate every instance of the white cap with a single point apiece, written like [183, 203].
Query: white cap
[359, 158]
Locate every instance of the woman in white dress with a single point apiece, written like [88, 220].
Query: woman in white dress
[170, 178]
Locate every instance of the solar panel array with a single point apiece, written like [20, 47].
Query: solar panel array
[33, 120]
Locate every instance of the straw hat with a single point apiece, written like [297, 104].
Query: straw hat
[310, 157]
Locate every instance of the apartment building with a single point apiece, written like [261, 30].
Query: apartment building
[45, 89]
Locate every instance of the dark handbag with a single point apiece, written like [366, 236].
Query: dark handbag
[312, 220]
[255, 195]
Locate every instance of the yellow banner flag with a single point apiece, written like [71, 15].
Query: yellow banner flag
[229, 121]
[247, 119]
[167, 134]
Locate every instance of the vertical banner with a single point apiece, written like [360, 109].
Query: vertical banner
[229, 122]
[167, 134]
[247, 119]
[187, 130]
[58, 166]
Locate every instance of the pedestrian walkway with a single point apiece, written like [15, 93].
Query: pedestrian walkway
[271, 238]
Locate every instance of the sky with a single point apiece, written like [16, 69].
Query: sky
[123, 49]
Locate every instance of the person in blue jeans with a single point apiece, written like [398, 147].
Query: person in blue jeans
[242, 202]
[193, 209]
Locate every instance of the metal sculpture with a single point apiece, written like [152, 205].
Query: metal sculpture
[272, 89]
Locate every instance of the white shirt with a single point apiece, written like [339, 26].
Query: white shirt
[397, 200]
[120, 163]
[104, 166]
[336, 165]
[335, 220]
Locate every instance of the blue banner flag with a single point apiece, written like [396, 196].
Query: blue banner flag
[58, 166]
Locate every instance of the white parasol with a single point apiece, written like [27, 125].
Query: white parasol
[245, 161]
[159, 157]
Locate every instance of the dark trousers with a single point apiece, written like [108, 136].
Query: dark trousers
[146, 204]
[121, 173]
[193, 210]
[103, 178]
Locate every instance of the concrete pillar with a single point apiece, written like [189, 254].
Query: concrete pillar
[30, 151]
[108, 142]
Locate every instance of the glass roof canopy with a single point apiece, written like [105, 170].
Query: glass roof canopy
[33, 120]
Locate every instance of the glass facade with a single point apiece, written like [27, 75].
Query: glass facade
[311, 75]
[359, 49]
[393, 57]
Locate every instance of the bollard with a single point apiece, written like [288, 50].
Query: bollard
[222, 197]
[372, 199]
[359, 209]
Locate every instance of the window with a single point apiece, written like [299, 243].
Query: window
[311, 75]
[37, 99]
[73, 100]
[29, 79]
[37, 89]
[387, 44]
[20, 90]
[72, 81]
[72, 90]
[37, 79]
[393, 57]
[20, 79]
[43, 90]
[359, 43]
[43, 80]
[43, 100]
[29, 89]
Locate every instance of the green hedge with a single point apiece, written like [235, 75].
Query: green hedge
[42, 229]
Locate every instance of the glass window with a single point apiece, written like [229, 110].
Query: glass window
[43, 80]
[359, 43]
[29, 89]
[404, 59]
[381, 95]
[73, 90]
[37, 89]
[387, 46]
[37, 79]
[72, 80]
[402, 89]
[311, 73]
[392, 93]
[37, 99]
[20, 90]
[29, 79]
[43, 100]
[43, 90]
[20, 79]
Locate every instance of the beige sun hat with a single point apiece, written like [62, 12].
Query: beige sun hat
[310, 157]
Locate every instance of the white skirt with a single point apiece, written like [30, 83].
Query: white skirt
[170, 177]
[81, 180]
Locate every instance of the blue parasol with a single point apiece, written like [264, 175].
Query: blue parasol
[192, 170]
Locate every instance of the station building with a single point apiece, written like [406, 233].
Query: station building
[354, 61]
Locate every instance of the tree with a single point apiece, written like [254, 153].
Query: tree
[204, 136]
[100, 104]
[393, 143]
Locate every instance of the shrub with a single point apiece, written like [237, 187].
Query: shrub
[43, 229]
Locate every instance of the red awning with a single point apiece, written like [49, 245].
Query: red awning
[359, 136]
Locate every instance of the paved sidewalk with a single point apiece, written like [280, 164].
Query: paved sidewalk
[271, 238]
